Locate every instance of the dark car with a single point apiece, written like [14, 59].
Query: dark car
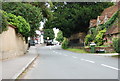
[31, 42]
[49, 42]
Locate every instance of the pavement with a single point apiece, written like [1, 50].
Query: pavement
[12, 68]
[107, 54]
[56, 63]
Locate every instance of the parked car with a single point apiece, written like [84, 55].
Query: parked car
[31, 42]
[49, 42]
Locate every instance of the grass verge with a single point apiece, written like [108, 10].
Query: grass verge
[77, 50]
[118, 56]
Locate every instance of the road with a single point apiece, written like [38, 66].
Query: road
[56, 63]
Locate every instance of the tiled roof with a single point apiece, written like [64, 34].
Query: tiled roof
[113, 30]
[93, 22]
[101, 18]
[110, 11]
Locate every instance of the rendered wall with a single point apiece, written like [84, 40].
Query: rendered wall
[11, 44]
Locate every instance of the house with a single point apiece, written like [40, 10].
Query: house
[103, 18]
[112, 32]
[107, 14]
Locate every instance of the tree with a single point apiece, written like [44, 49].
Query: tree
[18, 21]
[49, 33]
[46, 11]
[60, 37]
[3, 22]
[74, 17]
[32, 14]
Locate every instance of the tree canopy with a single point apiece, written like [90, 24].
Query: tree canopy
[49, 33]
[46, 11]
[3, 22]
[22, 26]
[74, 17]
[60, 37]
[32, 14]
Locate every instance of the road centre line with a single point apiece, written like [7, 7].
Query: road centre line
[91, 62]
[88, 60]
[110, 67]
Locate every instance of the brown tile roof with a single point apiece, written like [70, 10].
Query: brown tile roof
[113, 30]
[110, 11]
[101, 18]
[94, 22]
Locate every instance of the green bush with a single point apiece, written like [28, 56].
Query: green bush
[3, 22]
[99, 37]
[116, 44]
[65, 43]
[33, 15]
[19, 22]
[88, 39]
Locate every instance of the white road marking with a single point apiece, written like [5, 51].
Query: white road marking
[74, 57]
[88, 60]
[110, 67]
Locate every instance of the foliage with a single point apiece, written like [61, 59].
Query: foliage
[32, 14]
[65, 43]
[116, 44]
[74, 17]
[46, 11]
[3, 22]
[99, 37]
[19, 22]
[88, 39]
[49, 33]
[60, 37]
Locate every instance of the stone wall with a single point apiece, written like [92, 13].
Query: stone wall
[11, 44]
[107, 49]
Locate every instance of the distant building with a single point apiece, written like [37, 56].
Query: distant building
[55, 32]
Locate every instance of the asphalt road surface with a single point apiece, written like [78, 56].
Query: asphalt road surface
[55, 63]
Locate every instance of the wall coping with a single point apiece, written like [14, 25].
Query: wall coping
[12, 26]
